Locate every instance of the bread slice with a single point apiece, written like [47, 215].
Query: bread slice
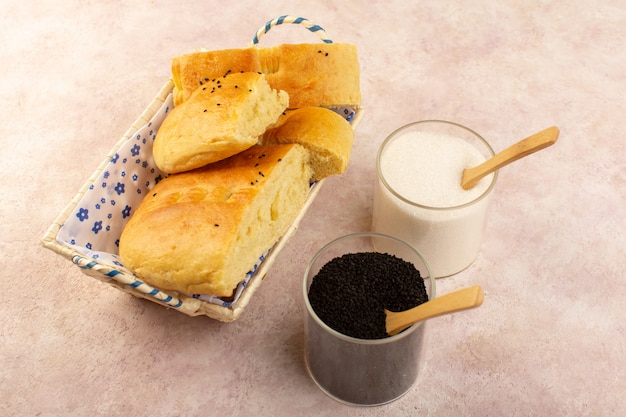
[326, 134]
[322, 75]
[225, 116]
[201, 231]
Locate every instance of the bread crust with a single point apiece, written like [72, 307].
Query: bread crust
[223, 117]
[323, 75]
[200, 231]
[326, 134]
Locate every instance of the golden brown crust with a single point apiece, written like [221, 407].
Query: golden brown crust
[326, 134]
[224, 116]
[199, 232]
[191, 71]
[325, 75]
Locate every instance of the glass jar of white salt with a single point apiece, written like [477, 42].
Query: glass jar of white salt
[419, 198]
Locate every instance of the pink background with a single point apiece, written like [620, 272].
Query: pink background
[549, 338]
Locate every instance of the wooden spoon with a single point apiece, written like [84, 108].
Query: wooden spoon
[525, 147]
[464, 299]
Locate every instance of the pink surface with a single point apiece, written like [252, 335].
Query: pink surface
[549, 338]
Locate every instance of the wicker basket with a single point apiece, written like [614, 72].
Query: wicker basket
[127, 173]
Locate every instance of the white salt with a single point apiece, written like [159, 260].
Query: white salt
[426, 168]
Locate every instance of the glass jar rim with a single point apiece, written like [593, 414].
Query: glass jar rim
[389, 188]
[320, 322]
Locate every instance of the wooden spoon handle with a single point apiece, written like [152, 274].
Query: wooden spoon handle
[455, 301]
[525, 147]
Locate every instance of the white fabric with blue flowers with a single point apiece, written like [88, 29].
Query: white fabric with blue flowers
[94, 228]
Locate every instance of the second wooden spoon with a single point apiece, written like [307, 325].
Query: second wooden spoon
[525, 147]
[455, 301]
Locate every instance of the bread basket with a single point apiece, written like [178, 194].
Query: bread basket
[87, 231]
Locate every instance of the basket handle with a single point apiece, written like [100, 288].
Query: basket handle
[318, 30]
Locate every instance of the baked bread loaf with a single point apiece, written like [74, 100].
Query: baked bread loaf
[223, 117]
[201, 231]
[326, 134]
[321, 75]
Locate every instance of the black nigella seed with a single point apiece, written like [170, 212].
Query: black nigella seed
[326, 54]
[351, 292]
[154, 195]
[280, 159]
[218, 104]
[206, 79]
[261, 174]
[216, 225]
[205, 110]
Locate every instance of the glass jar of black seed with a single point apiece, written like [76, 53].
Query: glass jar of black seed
[347, 286]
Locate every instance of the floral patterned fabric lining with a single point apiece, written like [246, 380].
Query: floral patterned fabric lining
[93, 230]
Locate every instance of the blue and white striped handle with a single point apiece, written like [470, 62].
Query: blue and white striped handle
[318, 30]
